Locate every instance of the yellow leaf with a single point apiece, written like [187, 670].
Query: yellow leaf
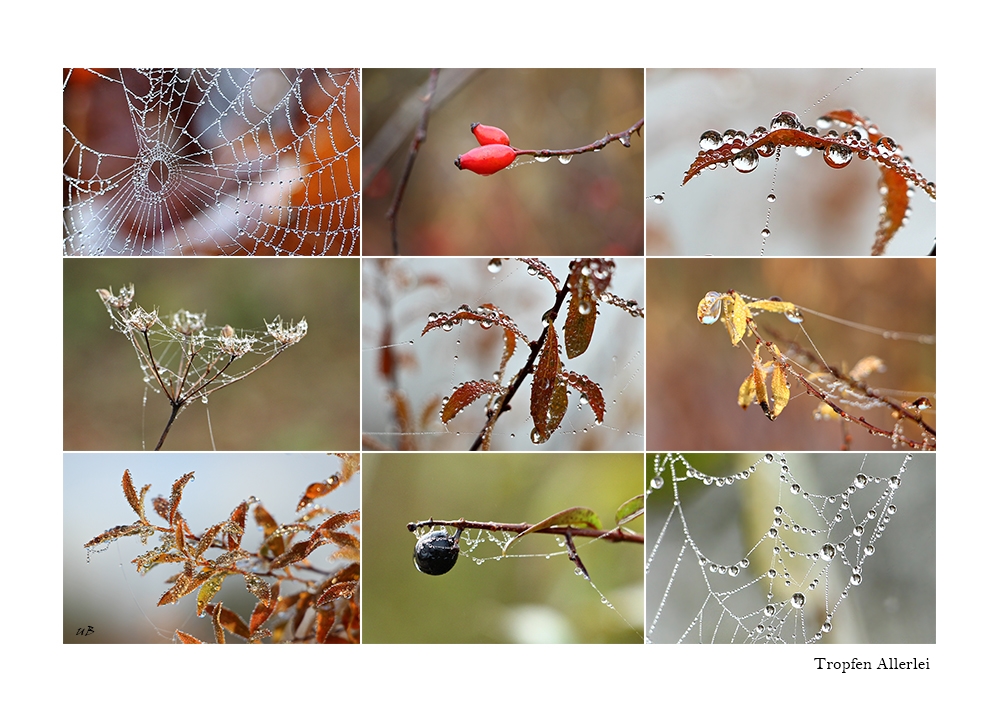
[738, 317]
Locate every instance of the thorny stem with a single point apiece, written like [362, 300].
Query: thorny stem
[418, 137]
[535, 348]
[618, 534]
[623, 138]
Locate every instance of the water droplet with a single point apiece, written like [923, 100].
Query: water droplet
[859, 530]
[710, 140]
[658, 199]
[869, 550]
[494, 265]
[542, 158]
[785, 120]
[564, 159]
[771, 197]
[838, 156]
[894, 482]
[861, 480]
[536, 437]
[794, 316]
[855, 579]
[827, 552]
[886, 146]
[585, 307]
[770, 610]
[746, 161]
[447, 327]
[798, 600]
[656, 483]
[765, 232]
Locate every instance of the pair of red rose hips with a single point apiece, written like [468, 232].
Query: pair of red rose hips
[493, 154]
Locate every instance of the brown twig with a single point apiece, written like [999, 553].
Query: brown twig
[622, 137]
[418, 137]
[618, 534]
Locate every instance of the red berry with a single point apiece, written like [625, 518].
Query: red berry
[486, 159]
[489, 135]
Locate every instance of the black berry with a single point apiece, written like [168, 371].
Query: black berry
[436, 552]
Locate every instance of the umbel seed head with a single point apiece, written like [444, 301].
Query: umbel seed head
[436, 552]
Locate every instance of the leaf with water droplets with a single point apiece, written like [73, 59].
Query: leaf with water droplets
[591, 390]
[298, 552]
[132, 497]
[779, 386]
[175, 494]
[124, 530]
[486, 313]
[184, 584]
[274, 545]
[736, 314]
[544, 382]
[465, 394]
[572, 517]
[580, 320]
[542, 269]
[187, 639]
[896, 174]
[209, 589]
[238, 520]
[344, 589]
[265, 607]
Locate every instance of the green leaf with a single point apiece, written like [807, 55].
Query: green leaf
[572, 517]
[630, 509]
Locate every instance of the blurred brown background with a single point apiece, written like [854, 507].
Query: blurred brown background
[305, 399]
[592, 206]
[695, 372]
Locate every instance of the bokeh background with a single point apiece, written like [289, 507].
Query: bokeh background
[405, 291]
[895, 603]
[592, 206]
[818, 210]
[514, 599]
[695, 372]
[305, 399]
[107, 592]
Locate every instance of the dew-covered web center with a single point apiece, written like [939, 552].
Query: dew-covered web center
[799, 555]
[211, 161]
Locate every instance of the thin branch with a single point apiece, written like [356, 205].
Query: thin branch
[528, 368]
[618, 534]
[418, 137]
[623, 137]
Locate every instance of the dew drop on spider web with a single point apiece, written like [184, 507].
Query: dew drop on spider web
[769, 457]
[861, 480]
[856, 579]
[658, 198]
[656, 483]
[827, 552]
[858, 530]
[794, 316]
[494, 265]
[798, 600]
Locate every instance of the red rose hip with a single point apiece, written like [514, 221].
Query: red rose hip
[489, 135]
[486, 159]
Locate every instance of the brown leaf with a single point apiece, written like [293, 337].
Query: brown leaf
[591, 390]
[339, 520]
[223, 618]
[176, 492]
[543, 270]
[132, 497]
[486, 314]
[345, 589]
[543, 383]
[298, 552]
[581, 316]
[264, 609]
[239, 522]
[465, 394]
[162, 507]
[187, 639]
[123, 530]
[183, 585]
[274, 545]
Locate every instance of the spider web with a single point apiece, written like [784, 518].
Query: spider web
[789, 570]
[211, 162]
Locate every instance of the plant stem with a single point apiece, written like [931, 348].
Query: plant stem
[618, 534]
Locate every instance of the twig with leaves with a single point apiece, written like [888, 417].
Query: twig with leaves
[860, 137]
[586, 286]
[186, 360]
[436, 554]
[835, 389]
[329, 595]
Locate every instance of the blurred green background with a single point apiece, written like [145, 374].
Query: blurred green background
[695, 372]
[305, 399]
[511, 600]
[592, 206]
[894, 604]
